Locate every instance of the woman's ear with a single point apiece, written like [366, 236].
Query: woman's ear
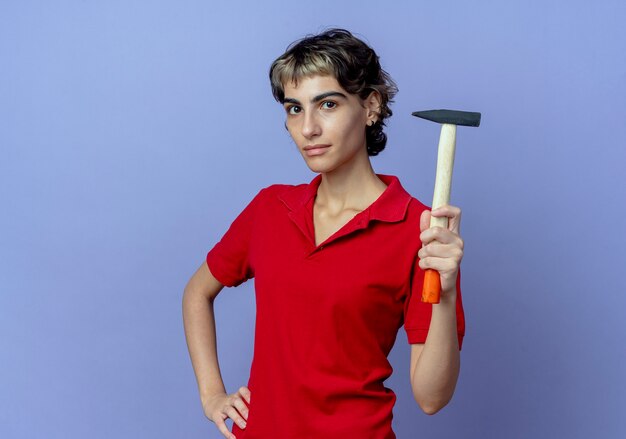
[373, 103]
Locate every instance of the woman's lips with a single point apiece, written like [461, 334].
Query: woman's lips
[313, 150]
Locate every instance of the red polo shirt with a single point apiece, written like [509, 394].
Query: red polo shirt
[327, 315]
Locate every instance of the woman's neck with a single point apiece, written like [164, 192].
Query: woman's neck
[353, 187]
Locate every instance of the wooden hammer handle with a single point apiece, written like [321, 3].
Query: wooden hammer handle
[431, 291]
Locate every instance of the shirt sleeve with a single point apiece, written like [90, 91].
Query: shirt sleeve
[229, 260]
[417, 314]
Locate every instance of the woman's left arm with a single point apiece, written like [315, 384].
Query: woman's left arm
[435, 364]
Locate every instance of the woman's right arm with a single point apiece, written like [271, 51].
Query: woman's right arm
[199, 323]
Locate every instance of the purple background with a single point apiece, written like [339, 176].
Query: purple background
[132, 133]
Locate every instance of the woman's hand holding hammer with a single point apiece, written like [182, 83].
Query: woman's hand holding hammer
[442, 249]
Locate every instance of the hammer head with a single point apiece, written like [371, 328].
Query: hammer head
[464, 118]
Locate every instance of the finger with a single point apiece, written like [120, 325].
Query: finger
[245, 393]
[453, 213]
[446, 210]
[441, 235]
[437, 250]
[221, 426]
[424, 220]
[235, 416]
[241, 408]
[442, 265]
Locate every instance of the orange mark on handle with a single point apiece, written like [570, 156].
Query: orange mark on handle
[432, 287]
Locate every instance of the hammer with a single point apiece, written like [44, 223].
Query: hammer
[448, 119]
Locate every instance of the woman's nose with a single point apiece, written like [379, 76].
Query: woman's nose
[310, 125]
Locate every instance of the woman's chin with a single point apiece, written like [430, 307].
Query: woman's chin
[317, 166]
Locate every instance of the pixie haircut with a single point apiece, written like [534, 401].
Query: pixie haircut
[355, 65]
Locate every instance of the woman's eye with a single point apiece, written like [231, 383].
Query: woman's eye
[294, 109]
[328, 105]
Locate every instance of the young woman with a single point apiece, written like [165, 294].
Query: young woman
[338, 266]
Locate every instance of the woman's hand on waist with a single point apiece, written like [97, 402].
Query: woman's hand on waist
[222, 406]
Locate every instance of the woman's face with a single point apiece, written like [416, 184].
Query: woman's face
[326, 122]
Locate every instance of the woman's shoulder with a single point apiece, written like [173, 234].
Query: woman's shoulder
[281, 188]
[278, 190]
[289, 194]
[414, 206]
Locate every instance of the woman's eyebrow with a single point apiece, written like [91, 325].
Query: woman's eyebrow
[327, 95]
[316, 98]
[291, 101]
